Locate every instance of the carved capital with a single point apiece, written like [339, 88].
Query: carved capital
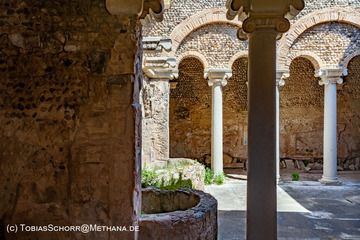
[160, 67]
[217, 76]
[140, 8]
[257, 15]
[331, 75]
[253, 23]
[281, 75]
[157, 44]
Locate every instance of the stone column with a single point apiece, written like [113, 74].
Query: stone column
[330, 77]
[280, 76]
[263, 21]
[155, 99]
[217, 79]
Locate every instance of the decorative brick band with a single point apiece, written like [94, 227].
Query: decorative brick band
[194, 54]
[316, 61]
[335, 14]
[241, 54]
[208, 16]
[346, 61]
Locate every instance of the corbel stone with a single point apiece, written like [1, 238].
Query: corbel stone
[157, 44]
[140, 8]
[160, 67]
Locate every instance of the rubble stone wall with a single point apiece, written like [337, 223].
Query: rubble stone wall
[68, 129]
[349, 112]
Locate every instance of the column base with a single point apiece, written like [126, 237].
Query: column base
[330, 181]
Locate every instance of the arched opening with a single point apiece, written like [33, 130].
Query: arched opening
[301, 113]
[349, 117]
[235, 116]
[190, 112]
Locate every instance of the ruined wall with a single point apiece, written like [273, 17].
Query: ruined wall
[155, 122]
[301, 112]
[301, 97]
[190, 113]
[349, 113]
[67, 132]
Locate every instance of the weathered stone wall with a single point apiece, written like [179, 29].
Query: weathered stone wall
[214, 41]
[155, 122]
[67, 132]
[190, 113]
[349, 113]
[301, 112]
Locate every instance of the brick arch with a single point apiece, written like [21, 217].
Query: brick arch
[241, 54]
[334, 14]
[193, 54]
[347, 60]
[312, 57]
[207, 16]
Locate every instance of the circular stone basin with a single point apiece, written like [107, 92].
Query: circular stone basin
[181, 214]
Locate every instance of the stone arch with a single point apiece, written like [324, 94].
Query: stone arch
[312, 57]
[347, 60]
[207, 16]
[334, 14]
[194, 54]
[240, 54]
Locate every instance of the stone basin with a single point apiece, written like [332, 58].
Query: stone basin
[184, 214]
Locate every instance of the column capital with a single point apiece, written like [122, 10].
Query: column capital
[217, 76]
[140, 8]
[331, 75]
[281, 75]
[160, 68]
[258, 14]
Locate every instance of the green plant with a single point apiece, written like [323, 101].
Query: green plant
[175, 184]
[295, 176]
[219, 179]
[209, 176]
[149, 178]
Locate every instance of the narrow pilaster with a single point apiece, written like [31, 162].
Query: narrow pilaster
[217, 79]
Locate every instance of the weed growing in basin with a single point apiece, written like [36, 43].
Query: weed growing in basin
[149, 178]
[295, 176]
[175, 184]
[152, 178]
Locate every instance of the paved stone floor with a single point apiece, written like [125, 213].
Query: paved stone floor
[306, 209]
